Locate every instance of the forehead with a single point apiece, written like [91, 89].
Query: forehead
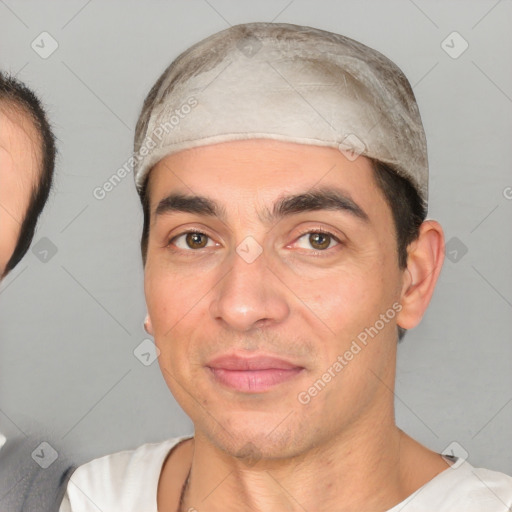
[243, 173]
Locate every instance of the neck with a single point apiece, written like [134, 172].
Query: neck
[363, 472]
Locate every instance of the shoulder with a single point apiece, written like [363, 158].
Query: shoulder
[113, 482]
[463, 487]
[33, 476]
[490, 488]
[482, 484]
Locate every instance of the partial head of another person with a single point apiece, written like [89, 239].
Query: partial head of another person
[27, 162]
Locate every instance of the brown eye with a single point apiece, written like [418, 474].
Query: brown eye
[319, 241]
[190, 240]
[196, 240]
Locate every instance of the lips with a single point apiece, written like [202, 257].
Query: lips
[233, 362]
[252, 374]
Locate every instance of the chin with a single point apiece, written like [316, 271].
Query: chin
[250, 439]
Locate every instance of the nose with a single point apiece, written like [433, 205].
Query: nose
[250, 295]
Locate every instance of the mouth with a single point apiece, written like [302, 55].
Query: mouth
[252, 374]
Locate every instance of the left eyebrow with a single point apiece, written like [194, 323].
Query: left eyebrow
[321, 198]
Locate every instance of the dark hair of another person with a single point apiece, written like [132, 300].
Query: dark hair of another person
[17, 97]
[404, 201]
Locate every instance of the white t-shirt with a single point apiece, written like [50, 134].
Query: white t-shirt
[127, 482]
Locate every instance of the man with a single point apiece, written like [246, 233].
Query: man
[283, 176]
[27, 161]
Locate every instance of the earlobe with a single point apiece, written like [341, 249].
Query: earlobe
[148, 326]
[424, 263]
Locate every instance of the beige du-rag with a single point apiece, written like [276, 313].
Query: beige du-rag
[284, 82]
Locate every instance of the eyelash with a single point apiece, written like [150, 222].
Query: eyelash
[318, 253]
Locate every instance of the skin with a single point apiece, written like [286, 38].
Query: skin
[267, 451]
[19, 167]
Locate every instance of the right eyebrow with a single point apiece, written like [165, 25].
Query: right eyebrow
[200, 205]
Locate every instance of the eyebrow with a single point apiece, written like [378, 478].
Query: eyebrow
[320, 198]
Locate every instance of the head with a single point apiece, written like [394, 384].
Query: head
[27, 160]
[277, 245]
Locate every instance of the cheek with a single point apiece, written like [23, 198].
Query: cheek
[160, 292]
[344, 298]
[338, 301]
[165, 291]
[351, 304]
[175, 303]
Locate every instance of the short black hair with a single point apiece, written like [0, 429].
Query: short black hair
[408, 210]
[17, 97]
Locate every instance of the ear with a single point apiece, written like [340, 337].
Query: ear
[424, 262]
[148, 326]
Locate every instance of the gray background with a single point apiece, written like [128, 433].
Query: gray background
[70, 321]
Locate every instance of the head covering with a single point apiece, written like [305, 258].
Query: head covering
[289, 83]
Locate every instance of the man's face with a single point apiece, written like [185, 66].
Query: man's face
[18, 175]
[303, 299]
